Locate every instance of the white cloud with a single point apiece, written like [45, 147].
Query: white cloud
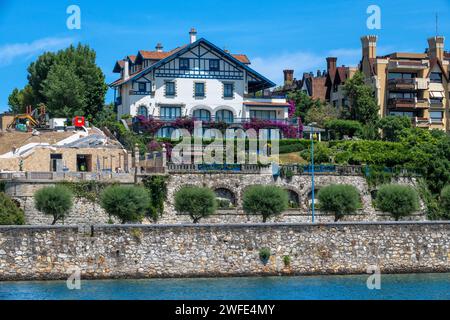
[10, 52]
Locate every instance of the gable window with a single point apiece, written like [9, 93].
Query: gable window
[142, 86]
[184, 63]
[436, 77]
[214, 65]
[199, 89]
[228, 90]
[170, 88]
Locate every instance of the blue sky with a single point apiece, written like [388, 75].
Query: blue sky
[275, 35]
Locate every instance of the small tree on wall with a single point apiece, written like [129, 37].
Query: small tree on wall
[55, 201]
[196, 201]
[339, 199]
[126, 203]
[400, 201]
[267, 201]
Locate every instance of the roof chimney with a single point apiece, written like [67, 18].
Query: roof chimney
[369, 46]
[193, 35]
[288, 77]
[159, 47]
[126, 70]
[436, 47]
[331, 65]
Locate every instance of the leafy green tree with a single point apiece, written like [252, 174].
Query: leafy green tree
[69, 82]
[55, 201]
[196, 201]
[126, 203]
[363, 105]
[64, 92]
[10, 214]
[445, 201]
[392, 126]
[398, 200]
[267, 201]
[339, 199]
[321, 153]
[321, 114]
[106, 117]
[303, 103]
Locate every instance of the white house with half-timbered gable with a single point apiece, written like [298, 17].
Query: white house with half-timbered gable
[197, 80]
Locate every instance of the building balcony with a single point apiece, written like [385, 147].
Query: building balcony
[409, 84]
[408, 64]
[421, 122]
[408, 103]
[213, 121]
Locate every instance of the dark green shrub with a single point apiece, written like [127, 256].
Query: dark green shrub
[2, 186]
[196, 201]
[267, 201]
[398, 200]
[321, 154]
[10, 213]
[126, 203]
[55, 201]
[340, 128]
[445, 201]
[157, 186]
[340, 199]
[224, 204]
[264, 254]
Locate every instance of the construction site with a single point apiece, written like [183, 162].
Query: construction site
[32, 142]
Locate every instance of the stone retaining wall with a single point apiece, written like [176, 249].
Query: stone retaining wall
[222, 250]
[87, 213]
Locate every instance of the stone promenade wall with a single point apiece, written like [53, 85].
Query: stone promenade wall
[87, 213]
[222, 250]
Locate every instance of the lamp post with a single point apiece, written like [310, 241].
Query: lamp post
[311, 135]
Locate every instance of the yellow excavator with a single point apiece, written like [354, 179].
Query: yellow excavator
[30, 119]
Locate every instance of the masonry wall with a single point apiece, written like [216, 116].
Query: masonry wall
[88, 213]
[222, 250]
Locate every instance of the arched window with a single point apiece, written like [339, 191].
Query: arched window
[166, 132]
[202, 115]
[225, 116]
[225, 198]
[294, 199]
[143, 111]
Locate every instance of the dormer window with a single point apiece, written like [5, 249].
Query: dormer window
[184, 64]
[214, 65]
[436, 77]
[142, 86]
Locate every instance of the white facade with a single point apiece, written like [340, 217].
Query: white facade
[198, 65]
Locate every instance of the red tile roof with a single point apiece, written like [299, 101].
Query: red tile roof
[242, 58]
[266, 104]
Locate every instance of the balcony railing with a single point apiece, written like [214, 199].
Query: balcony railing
[421, 122]
[409, 64]
[408, 103]
[215, 120]
[409, 84]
